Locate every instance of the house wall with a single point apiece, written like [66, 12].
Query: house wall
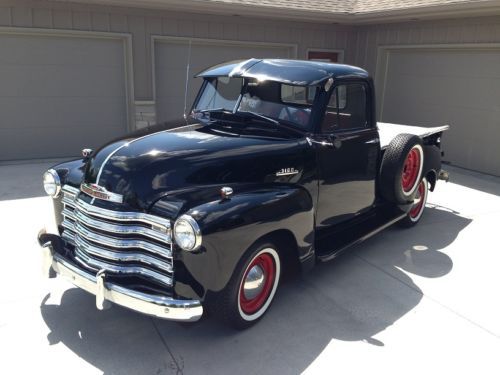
[440, 72]
[143, 23]
[460, 31]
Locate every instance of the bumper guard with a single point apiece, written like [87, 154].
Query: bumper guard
[106, 292]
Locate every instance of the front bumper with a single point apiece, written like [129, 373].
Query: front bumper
[106, 292]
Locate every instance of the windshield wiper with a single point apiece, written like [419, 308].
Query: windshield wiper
[276, 123]
[212, 110]
[260, 116]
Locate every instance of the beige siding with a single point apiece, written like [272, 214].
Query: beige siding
[460, 31]
[432, 73]
[142, 24]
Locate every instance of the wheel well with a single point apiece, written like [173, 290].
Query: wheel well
[287, 250]
[431, 178]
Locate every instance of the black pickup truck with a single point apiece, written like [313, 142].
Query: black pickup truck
[279, 165]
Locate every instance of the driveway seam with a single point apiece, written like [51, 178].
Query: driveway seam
[178, 369]
[428, 297]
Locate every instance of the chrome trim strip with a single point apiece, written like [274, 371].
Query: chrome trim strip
[121, 243]
[107, 158]
[68, 201]
[67, 213]
[70, 225]
[98, 265]
[90, 249]
[159, 306]
[121, 229]
[68, 189]
[68, 235]
[119, 215]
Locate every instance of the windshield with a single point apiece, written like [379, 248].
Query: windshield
[277, 101]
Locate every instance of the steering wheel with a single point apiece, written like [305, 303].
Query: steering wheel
[300, 116]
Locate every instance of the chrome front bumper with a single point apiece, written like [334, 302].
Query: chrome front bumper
[106, 292]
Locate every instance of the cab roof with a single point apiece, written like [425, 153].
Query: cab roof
[292, 72]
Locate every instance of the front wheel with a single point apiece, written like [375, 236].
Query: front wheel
[416, 211]
[251, 288]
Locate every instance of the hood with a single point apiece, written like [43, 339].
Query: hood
[144, 169]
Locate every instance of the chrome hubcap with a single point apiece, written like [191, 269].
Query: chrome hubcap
[254, 282]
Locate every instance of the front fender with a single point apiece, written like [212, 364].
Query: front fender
[229, 227]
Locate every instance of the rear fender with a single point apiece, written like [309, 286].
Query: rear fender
[432, 164]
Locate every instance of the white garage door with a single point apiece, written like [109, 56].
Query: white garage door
[59, 94]
[171, 59]
[456, 87]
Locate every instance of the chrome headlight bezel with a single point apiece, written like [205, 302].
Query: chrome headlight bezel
[52, 175]
[195, 232]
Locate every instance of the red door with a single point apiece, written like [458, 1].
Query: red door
[323, 56]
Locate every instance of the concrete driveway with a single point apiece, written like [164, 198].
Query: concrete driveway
[424, 300]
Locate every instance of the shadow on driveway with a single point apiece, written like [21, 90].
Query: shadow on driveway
[352, 298]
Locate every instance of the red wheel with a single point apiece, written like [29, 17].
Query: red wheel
[401, 169]
[411, 170]
[258, 284]
[252, 287]
[418, 207]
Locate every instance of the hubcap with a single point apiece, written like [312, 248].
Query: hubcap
[254, 282]
[411, 170]
[257, 283]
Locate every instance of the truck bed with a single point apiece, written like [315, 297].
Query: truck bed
[387, 131]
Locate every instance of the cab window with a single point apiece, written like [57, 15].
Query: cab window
[347, 108]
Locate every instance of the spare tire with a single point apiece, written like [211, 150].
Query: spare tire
[401, 169]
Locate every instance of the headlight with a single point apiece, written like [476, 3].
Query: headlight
[52, 183]
[187, 233]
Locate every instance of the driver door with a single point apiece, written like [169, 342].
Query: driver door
[347, 156]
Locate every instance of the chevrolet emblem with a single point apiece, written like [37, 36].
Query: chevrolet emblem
[99, 192]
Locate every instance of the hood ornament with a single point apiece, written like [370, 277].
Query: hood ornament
[86, 152]
[99, 192]
[226, 192]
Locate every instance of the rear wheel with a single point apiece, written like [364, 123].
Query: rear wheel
[252, 287]
[416, 211]
[401, 169]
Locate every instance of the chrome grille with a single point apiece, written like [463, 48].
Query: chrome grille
[130, 243]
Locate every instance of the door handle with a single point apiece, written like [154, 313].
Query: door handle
[334, 141]
[374, 140]
[330, 141]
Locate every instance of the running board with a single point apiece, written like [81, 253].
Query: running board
[333, 245]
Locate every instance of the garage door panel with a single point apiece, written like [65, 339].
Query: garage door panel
[31, 143]
[66, 113]
[402, 89]
[48, 50]
[54, 80]
[460, 88]
[60, 94]
[171, 59]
